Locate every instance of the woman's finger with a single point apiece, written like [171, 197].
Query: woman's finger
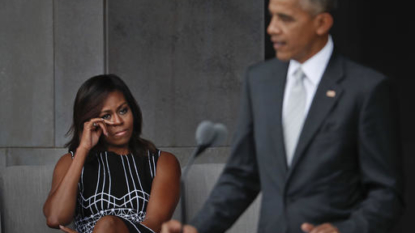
[102, 125]
[96, 124]
[92, 124]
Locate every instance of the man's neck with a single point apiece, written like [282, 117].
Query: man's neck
[318, 46]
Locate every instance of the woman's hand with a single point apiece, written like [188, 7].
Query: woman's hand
[92, 132]
[66, 229]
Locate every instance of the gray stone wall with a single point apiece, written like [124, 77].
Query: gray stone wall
[47, 49]
[26, 73]
[79, 54]
[183, 60]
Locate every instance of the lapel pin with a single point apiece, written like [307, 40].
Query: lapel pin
[331, 93]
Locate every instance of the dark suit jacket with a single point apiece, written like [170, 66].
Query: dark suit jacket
[346, 169]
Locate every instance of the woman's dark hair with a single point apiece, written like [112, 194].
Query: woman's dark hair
[88, 104]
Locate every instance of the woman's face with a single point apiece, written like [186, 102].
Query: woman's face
[117, 110]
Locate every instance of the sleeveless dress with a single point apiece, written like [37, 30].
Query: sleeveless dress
[117, 185]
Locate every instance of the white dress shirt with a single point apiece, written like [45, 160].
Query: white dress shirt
[313, 69]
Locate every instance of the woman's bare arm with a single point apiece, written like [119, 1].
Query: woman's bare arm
[59, 207]
[165, 192]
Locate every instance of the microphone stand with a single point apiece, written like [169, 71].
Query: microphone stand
[197, 152]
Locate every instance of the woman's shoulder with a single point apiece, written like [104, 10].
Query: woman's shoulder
[166, 155]
[159, 154]
[167, 160]
[65, 159]
[63, 164]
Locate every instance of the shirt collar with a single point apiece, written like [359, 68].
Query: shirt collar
[314, 67]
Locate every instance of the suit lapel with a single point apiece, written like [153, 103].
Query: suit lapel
[281, 78]
[326, 96]
[273, 87]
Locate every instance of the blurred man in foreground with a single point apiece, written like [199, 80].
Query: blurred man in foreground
[317, 135]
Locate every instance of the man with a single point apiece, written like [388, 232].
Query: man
[317, 135]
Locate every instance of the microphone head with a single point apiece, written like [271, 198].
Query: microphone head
[205, 133]
[220, 134]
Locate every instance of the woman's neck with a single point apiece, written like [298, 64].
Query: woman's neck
[119, 150]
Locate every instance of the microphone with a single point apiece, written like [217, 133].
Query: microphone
[207, 134]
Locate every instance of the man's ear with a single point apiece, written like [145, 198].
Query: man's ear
[324, 21]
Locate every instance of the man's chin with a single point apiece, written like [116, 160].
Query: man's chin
[282, 57]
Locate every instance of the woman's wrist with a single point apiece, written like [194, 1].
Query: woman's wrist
[81, 151]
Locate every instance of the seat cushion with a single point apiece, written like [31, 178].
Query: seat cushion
[199, 182]
[24, 189]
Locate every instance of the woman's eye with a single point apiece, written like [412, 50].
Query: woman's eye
[123, 111]
[106, 116]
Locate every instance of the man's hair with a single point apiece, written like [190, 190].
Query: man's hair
[319, 6]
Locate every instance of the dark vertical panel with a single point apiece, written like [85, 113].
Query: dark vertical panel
[269, 50]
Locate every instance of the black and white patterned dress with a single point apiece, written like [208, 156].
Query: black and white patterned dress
[117, 185]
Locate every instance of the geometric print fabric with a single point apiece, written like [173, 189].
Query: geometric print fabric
[117, 185]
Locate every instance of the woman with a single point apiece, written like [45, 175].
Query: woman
[112, 180]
